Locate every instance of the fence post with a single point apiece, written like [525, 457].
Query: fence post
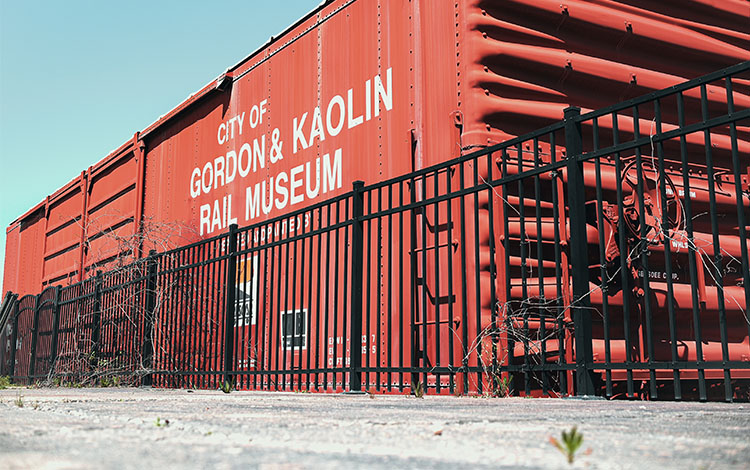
[229, 304]
[97, 320]
[579, 254]
[355, 359]
[34, 337]
[14, 338]
[55, 329]
[149, 317]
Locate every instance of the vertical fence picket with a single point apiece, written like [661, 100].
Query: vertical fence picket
[355, 374]
[55, 329]
[97, 321]
[149, 316]
[34, 338]
[579, 254]
[14, 338]
[742, 206]
[229, 306]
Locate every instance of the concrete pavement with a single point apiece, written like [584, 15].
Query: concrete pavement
[70, 428]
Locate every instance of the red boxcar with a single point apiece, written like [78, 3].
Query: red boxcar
[363, 90]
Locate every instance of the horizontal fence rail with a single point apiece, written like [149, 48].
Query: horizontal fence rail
[606, 254]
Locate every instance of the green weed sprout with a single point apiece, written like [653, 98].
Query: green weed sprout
[226, 386]
[571, 442]
[418, 390]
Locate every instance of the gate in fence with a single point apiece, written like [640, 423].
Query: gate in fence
[606, 254]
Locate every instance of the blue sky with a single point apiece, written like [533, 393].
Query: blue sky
[79, 78]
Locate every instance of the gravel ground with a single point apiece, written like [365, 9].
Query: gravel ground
[64, 428]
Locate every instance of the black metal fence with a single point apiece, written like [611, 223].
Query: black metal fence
[606, 254]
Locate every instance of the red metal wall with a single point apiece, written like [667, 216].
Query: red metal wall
[529, 59]
[462, 74]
